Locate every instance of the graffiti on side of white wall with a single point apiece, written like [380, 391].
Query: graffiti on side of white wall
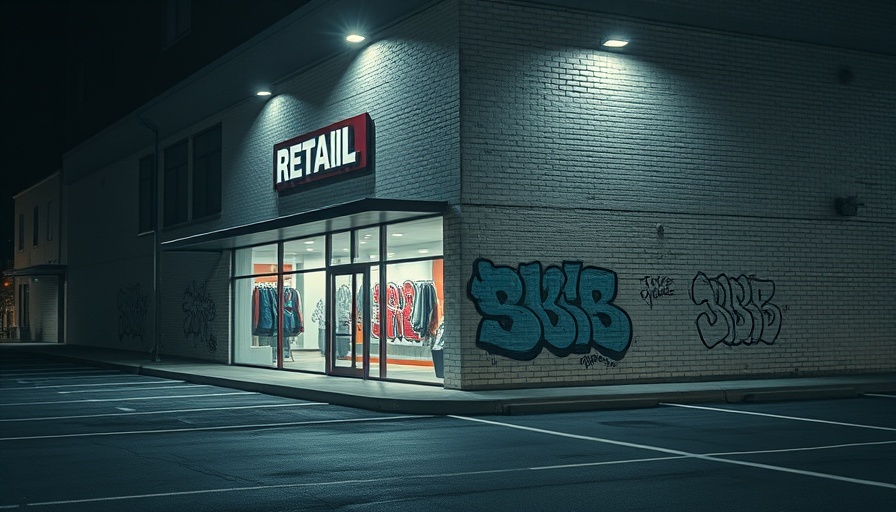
[566, 310]
[132, 308]
[737, 310]
[656, 287]
[199, 308]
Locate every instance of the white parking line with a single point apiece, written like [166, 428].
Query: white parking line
[127, 383]
[22, 380]
[779, 416]
[221, 427]
[170, 411]
[660, 449]
[806, 449]
[95, 400]
[109, 390]
[606, 463]
[73, 371]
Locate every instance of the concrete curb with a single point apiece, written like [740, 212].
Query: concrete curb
[516, 402]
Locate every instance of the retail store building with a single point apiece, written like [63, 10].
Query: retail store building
[481, 195]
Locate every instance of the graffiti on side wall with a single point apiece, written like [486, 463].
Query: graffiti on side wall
[737, 310]
[199, 308]
[655, 288]
[566, 310]
[132, 307]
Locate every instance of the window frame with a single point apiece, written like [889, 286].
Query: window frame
[206, 173]
[176, 196]
[49, 229]
[35, 228]
[21, 232]
[146, 200]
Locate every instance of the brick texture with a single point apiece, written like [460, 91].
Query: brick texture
[736, 146]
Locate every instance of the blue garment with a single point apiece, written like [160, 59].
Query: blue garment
[264, 311]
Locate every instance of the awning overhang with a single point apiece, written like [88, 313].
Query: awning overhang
[36, 270]
[351, 215]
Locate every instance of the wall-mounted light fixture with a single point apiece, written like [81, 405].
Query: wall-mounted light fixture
[614, 42]
[848, 206]
[355, 38]
[263, 92]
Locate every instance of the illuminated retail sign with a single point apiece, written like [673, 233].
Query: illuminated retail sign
[338, 149]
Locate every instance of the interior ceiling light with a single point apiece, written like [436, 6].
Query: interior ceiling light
[614, 42]
[355, 38]
[263, 92]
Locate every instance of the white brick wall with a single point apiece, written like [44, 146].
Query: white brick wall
[737, 145]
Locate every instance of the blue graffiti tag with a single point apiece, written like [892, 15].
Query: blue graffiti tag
[566, 310]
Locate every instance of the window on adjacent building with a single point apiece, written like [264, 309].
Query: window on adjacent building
[51, 216]
[176, 184]
[207, 173]
[147, 203]
[21, 231]
[35, 230]
[177, 20]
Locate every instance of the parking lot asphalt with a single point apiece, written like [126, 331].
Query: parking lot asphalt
[78, 437]
[427, 399]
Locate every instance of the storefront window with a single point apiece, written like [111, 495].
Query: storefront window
[255, 321]
[417, 239]
[341, 248]
[305, 300]
[414, 312]
[367, 245]
[341, 308]
[304, 254]
[255, 306]
[256, 260]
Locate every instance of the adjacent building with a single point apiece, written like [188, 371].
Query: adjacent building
[481, 194]
[38, 275]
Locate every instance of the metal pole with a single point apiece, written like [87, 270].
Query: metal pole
[157, 244]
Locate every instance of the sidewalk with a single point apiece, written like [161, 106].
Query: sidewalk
[422, 399]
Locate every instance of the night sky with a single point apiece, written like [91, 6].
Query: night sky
[33, 101]
[73, 67]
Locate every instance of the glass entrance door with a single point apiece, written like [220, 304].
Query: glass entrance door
[349, 340]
